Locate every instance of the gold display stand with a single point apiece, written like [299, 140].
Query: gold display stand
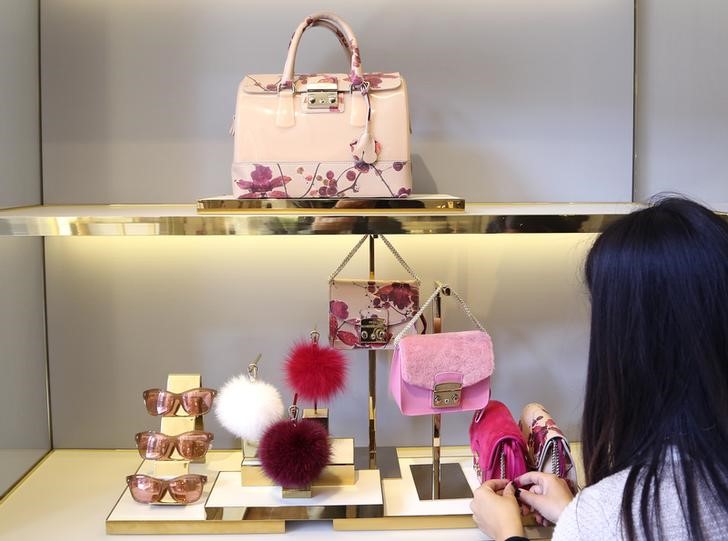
[439, 481]
[339, 472]
[428, 487]
[175, 425]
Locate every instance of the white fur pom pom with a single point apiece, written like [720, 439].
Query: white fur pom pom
[247, 408]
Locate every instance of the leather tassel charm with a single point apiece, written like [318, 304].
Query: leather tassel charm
[365, 148]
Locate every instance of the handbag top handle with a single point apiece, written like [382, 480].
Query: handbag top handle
[344, 33]
[388, 244]
[323, 23]
[440, 288]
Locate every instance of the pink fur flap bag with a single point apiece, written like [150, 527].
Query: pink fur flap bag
[442, 373]
[499, 448]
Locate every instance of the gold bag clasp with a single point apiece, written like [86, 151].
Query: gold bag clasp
[447, 395]
[322, 96]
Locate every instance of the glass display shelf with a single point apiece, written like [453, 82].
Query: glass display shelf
[179, 220]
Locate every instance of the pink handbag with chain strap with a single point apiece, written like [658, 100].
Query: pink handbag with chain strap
[443, 372]
[499, 449]
[328, 135]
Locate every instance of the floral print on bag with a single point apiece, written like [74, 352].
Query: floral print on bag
[378, 80]
[332, 179]
[353, 301]
[547, 445]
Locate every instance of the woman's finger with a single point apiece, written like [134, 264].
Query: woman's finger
[532, 477]
[496, 484]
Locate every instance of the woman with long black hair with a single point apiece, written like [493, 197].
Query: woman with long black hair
[655, 421]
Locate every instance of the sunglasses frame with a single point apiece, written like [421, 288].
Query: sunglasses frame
[178, 401]
[174, 443]
[166, 487]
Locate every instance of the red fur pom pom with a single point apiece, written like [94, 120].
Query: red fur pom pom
[315, 372]
[294, 453]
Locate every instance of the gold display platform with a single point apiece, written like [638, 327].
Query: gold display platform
[419, 202]
[374, 502]
[182, 220]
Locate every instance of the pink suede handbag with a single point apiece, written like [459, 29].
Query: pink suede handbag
[444, 372]
[499, 449]
[329, 135]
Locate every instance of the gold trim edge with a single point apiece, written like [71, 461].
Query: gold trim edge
[418, 203]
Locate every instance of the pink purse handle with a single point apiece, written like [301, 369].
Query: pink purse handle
[439, 289]
[341, 28]
[323, 23]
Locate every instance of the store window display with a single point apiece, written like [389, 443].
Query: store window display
[655, 422]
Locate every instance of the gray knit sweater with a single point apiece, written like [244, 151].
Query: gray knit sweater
[594, 514]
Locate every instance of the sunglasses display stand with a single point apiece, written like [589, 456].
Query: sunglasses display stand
[174, 425]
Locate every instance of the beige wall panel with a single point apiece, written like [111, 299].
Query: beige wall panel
[127, 311]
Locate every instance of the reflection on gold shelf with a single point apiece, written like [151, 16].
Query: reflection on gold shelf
[145, 220]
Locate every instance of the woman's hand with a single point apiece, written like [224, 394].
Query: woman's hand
[548, 496]
[496, 511]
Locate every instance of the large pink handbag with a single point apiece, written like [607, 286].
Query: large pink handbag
[499, 449]
[327, 135]
[444, 372]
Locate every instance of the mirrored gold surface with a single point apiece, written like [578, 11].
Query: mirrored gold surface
[477, 218]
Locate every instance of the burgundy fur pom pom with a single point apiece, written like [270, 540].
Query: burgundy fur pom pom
[315, 372]
[294, 453]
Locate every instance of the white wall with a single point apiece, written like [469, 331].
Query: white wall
[127, 311]
[19, 118]
[511, 99]
[682, 110]
[24, 436]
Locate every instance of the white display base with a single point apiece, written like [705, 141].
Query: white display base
[227, 493]
[68, 496]
[400, 495]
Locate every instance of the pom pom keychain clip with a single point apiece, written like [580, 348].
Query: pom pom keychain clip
[295, 451]
[247, 406]
[315, 373]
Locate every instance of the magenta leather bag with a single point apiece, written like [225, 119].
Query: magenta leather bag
[499, 449]
[444, 372]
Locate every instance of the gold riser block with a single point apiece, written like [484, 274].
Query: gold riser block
[195, 527]
[414, 203]
[404, 523]
[426, 522]
[333, 475]
[300, 513]
[340, 472]
[320, 415]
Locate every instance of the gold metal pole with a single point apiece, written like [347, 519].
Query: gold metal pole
[436, 470]
[437, 418]
[372, 379]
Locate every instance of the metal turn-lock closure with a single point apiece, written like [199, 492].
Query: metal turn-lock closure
[322, 96]
[446, 395]
[373, 331]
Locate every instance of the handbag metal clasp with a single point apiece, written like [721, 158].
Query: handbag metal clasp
[373, 330]
[446, 395]
[322, 96]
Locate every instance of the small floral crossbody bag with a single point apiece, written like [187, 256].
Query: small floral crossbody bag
[367, 313]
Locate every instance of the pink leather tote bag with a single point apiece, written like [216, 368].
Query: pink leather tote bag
[329, 135]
